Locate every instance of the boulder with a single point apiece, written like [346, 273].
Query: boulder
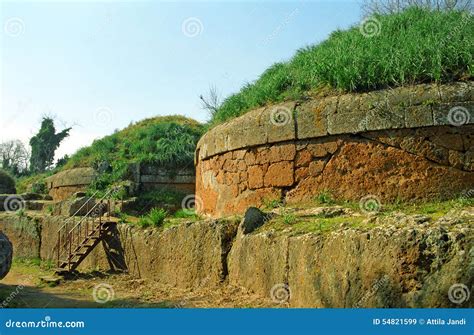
[6, 255]
[253, 219]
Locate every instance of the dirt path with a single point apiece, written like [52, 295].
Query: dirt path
[23, 287]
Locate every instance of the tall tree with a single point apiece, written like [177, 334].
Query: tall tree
[14, 157]
[44, 145]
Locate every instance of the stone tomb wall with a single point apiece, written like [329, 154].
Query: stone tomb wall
[64, 184]
[408, 143]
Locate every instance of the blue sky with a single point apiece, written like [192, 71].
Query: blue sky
[100, 65]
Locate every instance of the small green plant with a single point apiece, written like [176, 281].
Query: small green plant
[21, 213]
[272, 203]
[325, 198]
[49, 209]
[289, 218]
[155, 218]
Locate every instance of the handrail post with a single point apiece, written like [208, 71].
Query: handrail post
[59, 247]
[69, 256]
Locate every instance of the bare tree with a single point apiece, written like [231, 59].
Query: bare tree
[212, 102]
[394, 6]
[14, 157]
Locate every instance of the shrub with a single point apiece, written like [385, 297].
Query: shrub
[39, 187]
[155, 218]
[7, 183]
[413, 46]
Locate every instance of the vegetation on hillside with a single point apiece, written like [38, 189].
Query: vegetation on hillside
[168, 142]
[7, 183]
[413, 46]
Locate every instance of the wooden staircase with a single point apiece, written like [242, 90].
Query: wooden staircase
[79, 235]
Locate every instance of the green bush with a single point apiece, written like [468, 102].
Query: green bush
[414, 46]
[161, 197]
[155, 218]
[7, 183]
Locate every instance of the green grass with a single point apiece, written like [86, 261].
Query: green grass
[185, 214]
[325, 198]
[414, 46]
[155, 218]
[272, 203]
[290, 221]
[167, 142]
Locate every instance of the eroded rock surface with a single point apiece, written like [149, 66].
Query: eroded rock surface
[6, 255]
[394, 260]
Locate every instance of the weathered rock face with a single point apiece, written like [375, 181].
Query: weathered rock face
[65, 183]
[408, 143]
[405, 268]
[6, 255]
[186, 256]
[402, 262]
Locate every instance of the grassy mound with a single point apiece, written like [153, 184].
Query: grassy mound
[414, 46]
[167, 141]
